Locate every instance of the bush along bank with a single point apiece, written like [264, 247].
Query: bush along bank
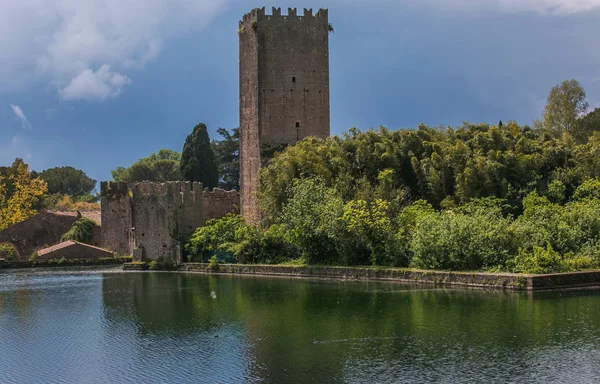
[317, 227]
[476, 198]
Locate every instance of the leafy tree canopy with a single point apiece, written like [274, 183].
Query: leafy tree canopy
[160, 166]
[566, 103]
[67, 181]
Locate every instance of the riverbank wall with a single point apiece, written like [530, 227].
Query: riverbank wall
[19, 264]
[506, 281]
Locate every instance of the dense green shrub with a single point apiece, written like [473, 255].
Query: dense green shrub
[480, 239]
[478, 197]
[81, 231]
[8, 251]
[217, 235]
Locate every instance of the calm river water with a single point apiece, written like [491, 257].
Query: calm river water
[93, 327]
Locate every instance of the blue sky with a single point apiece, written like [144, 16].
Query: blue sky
[100, 83]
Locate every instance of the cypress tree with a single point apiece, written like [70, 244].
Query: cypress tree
[198, 159]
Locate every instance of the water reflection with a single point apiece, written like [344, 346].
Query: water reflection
[291, 330]
[162, 327]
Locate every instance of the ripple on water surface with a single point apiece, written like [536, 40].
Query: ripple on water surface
[99, 327]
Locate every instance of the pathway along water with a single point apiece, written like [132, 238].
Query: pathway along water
[91, 327]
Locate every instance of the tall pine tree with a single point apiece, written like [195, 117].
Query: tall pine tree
[198, 159]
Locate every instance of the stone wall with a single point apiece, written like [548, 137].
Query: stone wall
[164, 216]
[507, 281]
[116, 217]
[218, 203]
[284, 88]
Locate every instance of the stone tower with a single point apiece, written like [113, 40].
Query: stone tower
[284, 89]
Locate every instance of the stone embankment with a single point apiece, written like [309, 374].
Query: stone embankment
[506, 281]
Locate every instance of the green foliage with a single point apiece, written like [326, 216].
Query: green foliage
[161, 166]
[589, 189]
[539, 260]
[556, 191]
[227, 157]
[566, 102]
[474, 239]
[217, 235]
[82, 231]
[198, 159]
[213, 264]
[153, 265]
[8, 251]
[587, 125]
[67, 181]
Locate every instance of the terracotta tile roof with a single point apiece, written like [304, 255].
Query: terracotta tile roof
[56, 247]
[66, 244]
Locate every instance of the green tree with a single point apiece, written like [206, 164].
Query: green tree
[587, 125]
[198, 159]
[565, 104]
[227, 157]
[67, 181]
[161, 166]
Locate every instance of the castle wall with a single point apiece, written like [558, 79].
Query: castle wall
[284, 88]
[116, 218]
[218, 203]
[164, 216]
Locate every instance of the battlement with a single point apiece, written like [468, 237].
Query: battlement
[113, 189]
[171, 190]
[259, 14]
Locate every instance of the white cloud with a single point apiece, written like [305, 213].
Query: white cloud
[21, 116]
[560, 7]
[95, 86]
[69, 42]
[547, 6]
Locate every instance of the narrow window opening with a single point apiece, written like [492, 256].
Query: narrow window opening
[293, 79]
[297, 124]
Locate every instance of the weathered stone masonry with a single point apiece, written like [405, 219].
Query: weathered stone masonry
[165, 215]
[158, 218]
[219, 202]
[116, 217]
[284, 88]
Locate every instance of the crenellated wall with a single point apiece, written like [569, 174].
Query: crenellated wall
[116, 217]
[284, 88]
[153, 221]
[164, 216]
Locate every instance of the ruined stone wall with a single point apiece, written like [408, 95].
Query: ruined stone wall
[116, 217]
[165, 215]
[284, 88]
[218, 203]
[42, 230]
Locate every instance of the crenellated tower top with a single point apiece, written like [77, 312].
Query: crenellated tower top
[259, 14]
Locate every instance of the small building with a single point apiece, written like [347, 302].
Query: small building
[71, 250]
